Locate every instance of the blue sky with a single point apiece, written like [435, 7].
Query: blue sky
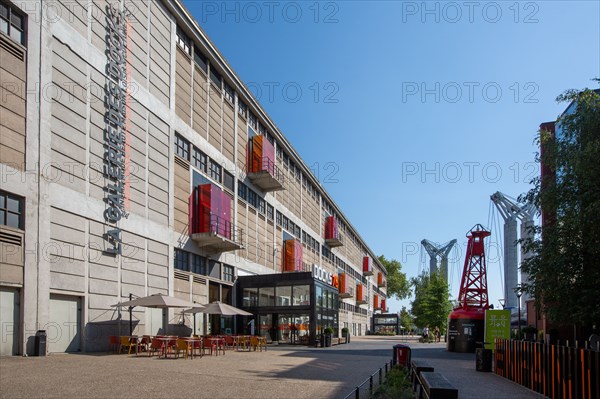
[412, 113]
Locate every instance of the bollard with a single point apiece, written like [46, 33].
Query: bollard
[380, 376]
[357, 393]
[371, 385]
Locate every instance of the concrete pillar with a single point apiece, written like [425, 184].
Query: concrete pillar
[510, 263]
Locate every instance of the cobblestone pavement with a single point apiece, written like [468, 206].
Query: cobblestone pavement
[280, 372]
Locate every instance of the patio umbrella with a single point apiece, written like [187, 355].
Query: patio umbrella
[218, 308]
[153, 301]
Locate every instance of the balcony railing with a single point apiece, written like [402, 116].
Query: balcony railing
[265, 174]
[216, 235]
[380, 280]
[360, 295]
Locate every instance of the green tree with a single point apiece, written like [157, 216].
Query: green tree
[564, 268]
[431, 305]
[397, 283]
[406, 320]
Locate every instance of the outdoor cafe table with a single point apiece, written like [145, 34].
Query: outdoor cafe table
[219, 343]
[165, 343]
[190, 344]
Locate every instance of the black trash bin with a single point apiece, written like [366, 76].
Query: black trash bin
[483, 360]
[40, 343]
[401, 355]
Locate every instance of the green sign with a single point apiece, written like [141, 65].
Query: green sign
[497, 325]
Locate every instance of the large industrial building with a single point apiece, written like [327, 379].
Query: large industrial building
[135, 161]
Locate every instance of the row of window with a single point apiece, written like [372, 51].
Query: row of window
[251, 197]
[285, 223]
[297, 295]
[351, 308]
[206, 165]
[189, 262]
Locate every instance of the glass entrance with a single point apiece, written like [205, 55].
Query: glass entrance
[293, 329]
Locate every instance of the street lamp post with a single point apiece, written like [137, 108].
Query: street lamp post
[518, 292]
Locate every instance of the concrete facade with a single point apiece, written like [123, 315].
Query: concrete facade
[53, 160]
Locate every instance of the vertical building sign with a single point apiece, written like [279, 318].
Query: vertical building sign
[115, 131]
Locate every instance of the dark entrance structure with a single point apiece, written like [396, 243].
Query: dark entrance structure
[289, 308]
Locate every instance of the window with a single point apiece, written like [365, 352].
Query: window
[215, 171]
[200, 59]
[270, 138]
[261, 205]
[252, 197]
[182, 147]
[250, 297]
[228, 180]
[215, 77]
[266, 296]
[199, 159]
[182, 260]
[279, 218]
[12, 23]
[228, 273]
[286, 223]
[242, 191]
[253, 121]
[298, 231]
[283, 296]
[243, 109]
[270, 210]
[198, 264]
[229, 92]
[301, 295]
[11, 210]
[183, 41]
[262, 129]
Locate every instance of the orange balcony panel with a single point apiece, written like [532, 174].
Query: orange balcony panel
[367, 266]
[262, 170]
[292, 256]
[376, 305]
[344, 286]
[383, 308]
[360, 295]
[380, 280]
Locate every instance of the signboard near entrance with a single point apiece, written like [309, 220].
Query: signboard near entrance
[323, 275]
[497, 325]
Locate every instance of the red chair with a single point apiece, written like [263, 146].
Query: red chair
[156, 345]
[197, 345]
[229, 342]
[113, 344]
[209, 344]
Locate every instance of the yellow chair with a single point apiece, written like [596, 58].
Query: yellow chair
[128, 342]
[181, 346]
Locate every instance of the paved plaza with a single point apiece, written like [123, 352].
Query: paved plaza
[280, 372]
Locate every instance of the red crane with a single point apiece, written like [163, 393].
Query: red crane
[473, 287]
[466, 322]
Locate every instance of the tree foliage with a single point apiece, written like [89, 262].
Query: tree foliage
[431, 305]
[564, 268]
[406, 319]
[397, 283]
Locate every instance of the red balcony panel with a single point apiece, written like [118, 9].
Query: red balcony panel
[367, 266]
[210, 211]
[292, 256]
[375, 301]
[383, 308]
[331, 228]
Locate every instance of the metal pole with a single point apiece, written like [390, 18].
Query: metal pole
[130, 316]
[519, 321]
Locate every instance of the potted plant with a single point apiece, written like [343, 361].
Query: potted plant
[346, 334]
[327, 333]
